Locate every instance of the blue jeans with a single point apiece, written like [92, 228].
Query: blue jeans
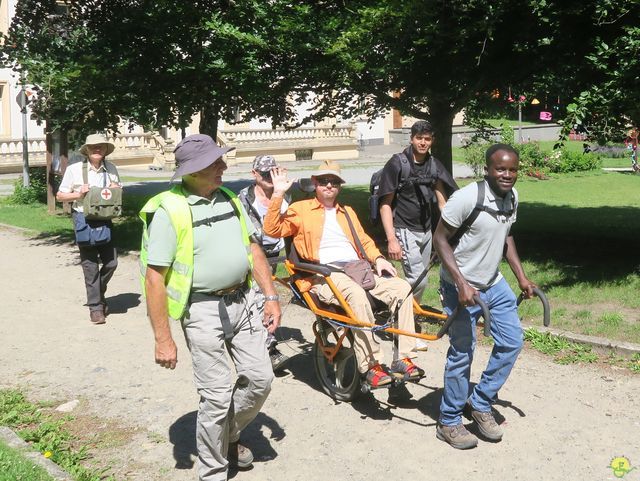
[507, 335]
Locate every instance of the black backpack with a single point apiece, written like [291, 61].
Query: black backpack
[425, 185]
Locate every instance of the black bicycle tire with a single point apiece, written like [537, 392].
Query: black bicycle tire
[321, 366]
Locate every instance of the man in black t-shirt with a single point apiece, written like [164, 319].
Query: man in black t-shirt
[413, 189]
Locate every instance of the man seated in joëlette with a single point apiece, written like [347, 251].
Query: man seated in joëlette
[321, 233]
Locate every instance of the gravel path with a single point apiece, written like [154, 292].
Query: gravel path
[560, 422]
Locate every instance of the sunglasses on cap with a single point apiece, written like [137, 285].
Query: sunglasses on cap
[324, 181]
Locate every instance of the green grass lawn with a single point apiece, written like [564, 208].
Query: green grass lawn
[14, 466]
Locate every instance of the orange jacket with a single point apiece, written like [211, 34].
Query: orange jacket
[304, 221]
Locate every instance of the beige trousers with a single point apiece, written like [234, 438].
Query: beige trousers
[220, 331]
[389, 290]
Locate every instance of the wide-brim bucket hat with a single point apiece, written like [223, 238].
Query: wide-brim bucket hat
[97, 139]
[328, 167]
[196, 152]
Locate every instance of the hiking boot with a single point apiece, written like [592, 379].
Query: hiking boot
[278, 360]
[97, 317]
[487, 425]
[239, 456]
[457, 436]
[405, 369]
[376, 376]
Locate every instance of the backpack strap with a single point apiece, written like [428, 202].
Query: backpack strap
[405, 169]
[479, 207]
[471, 218]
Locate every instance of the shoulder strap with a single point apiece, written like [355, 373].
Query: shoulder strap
[471, 218]
[85, 174]
[249, 205]
[359, 246]
[405, 169]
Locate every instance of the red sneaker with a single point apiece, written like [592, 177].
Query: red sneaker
[377, 376]
[406, 369]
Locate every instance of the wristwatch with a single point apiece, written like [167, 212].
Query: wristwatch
[274, 297]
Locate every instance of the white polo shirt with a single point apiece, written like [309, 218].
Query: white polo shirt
[101, 177]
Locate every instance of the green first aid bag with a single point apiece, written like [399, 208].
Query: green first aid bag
[101, 203]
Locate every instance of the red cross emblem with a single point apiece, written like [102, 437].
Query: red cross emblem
[105, 194]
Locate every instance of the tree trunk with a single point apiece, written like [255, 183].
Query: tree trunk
[209, 115]
[441, 117]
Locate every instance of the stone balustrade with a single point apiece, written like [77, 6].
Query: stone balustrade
[152, 150]
[148, 148]
[314, 143]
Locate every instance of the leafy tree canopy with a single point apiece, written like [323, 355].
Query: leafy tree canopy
[153, 62]
[432, 59]
[159, 62]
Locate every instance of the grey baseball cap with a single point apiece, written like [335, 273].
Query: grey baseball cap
[196, 152]
[264, 163]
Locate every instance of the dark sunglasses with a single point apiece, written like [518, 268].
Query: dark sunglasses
[266, 175]
[324, 181]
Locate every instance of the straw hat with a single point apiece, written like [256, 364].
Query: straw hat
[97, 139]
[328, 167]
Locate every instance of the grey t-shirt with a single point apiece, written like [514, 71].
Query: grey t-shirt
[220, 256]
[479, 252]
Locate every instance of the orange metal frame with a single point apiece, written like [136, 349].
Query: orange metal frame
[349, 317]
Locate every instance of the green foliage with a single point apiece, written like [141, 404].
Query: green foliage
[535, 158]
[564, 161]
[46, 434]
[562, 350]
[102, 62]
[474, 156]
[14, 466]
[37, 190]
[634, 363]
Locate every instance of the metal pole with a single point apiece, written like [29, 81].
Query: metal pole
[25, 140]
[519, 122]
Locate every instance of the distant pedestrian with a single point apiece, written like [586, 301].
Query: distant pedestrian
[201, 261]
[255, 198]
[73, 188]
[471, 268]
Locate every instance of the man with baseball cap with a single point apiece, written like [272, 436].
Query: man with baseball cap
[329, 233]
[255, 198]
[200, 259]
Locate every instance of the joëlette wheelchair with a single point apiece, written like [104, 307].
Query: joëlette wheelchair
[333, 355]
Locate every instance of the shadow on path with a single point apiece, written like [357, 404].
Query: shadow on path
[121, 303]
[182, 434]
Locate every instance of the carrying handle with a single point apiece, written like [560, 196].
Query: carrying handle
[546, 317]
[485, 314]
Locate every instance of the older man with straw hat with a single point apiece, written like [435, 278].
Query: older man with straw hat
[78, 179]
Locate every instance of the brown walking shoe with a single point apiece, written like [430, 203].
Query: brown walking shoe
[487, 425]
[97, 317]
[239, 456]
[457, 436]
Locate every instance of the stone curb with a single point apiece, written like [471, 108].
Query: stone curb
[626, 349]
[15, 442]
